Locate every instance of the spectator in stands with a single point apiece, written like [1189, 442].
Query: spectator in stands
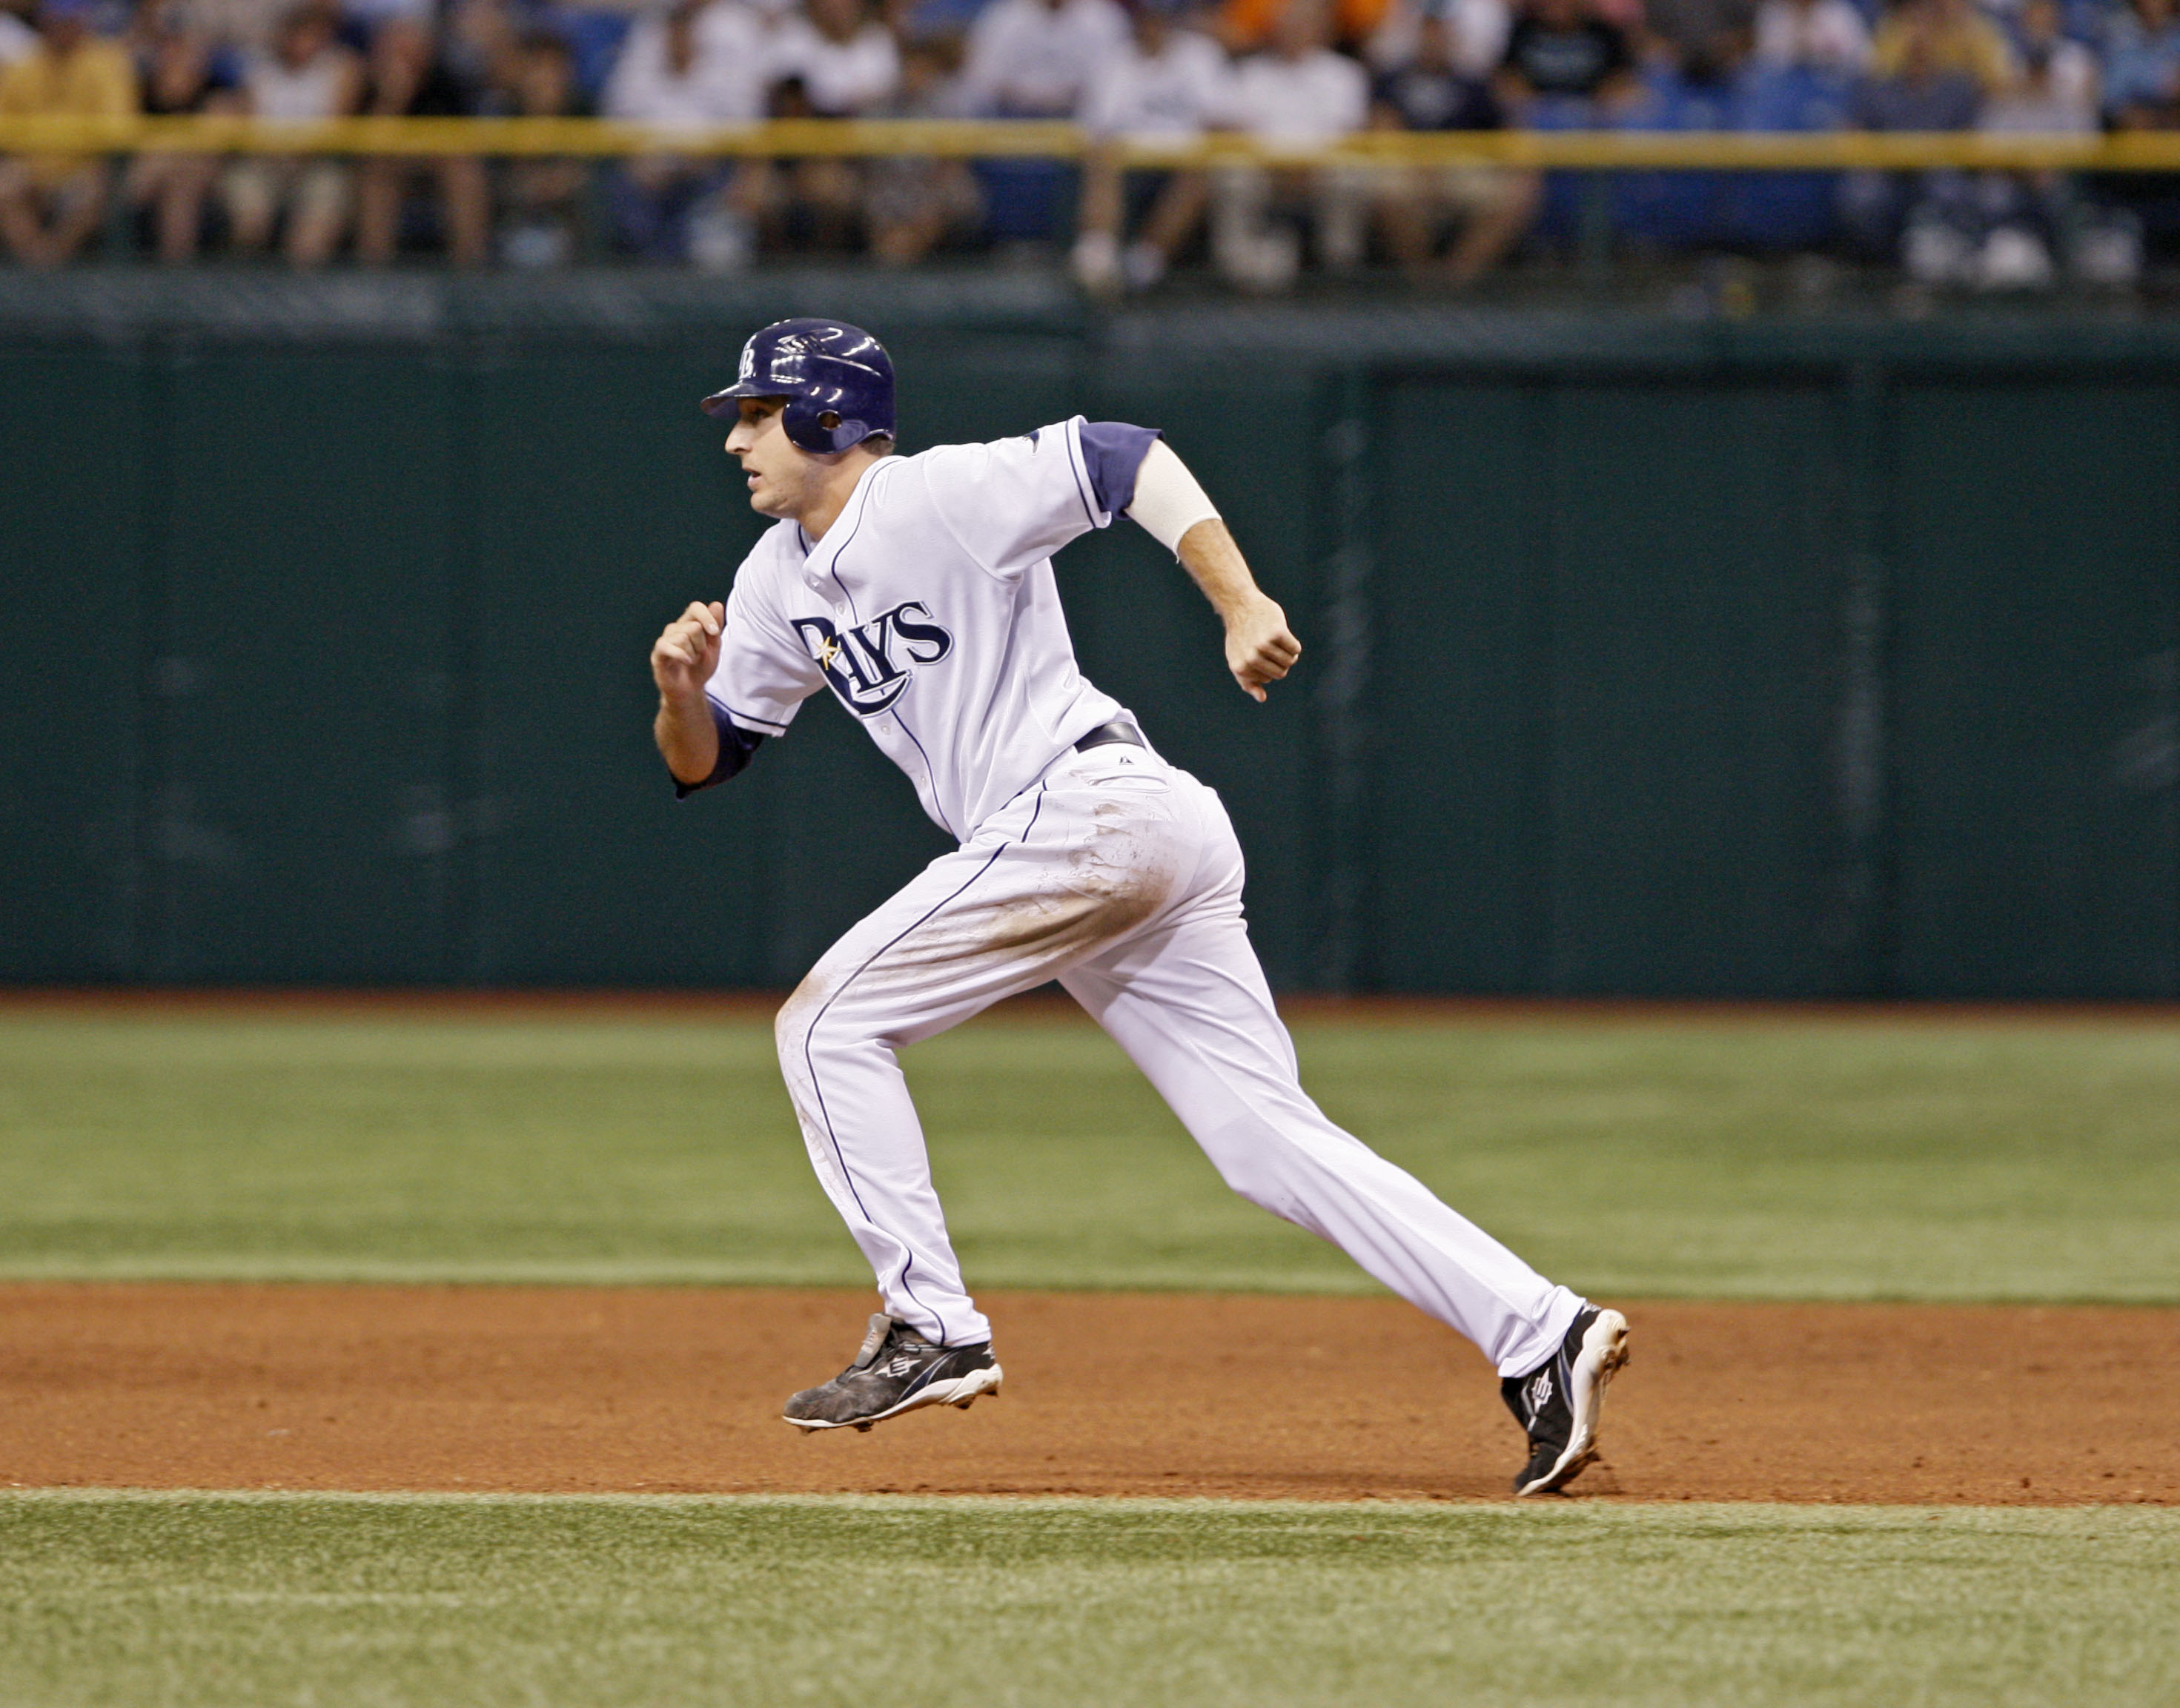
[913, 202]
[480, 44]
[1946, 37]
[2142, 67]
[833, 60]
[2141, 92]
[542, 198]
[409, 78]
[1928, 85]
[696, 66]
[1167, 84]
[50, 204]
[1564, 53]
[307, 74]
[177, 76]
[1034, 58]
[1476, 30]
[17, 38]
[846, 57]
[2057, 90]
[234, 27]
[2033, 217]
[1298, 95]
[1703, 40]
[1494, 206]
[1916, 84]
[1816, 34]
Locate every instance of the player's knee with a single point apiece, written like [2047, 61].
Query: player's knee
[791, 1026]
[814, 1022]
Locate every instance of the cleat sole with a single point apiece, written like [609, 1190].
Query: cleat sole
[960, 1392]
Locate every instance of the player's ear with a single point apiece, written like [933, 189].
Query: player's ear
[828, 419]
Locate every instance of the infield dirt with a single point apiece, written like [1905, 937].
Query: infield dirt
[558, 1389]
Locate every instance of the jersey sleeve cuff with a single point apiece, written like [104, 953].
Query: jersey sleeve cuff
[737, 746]
[1112, 453]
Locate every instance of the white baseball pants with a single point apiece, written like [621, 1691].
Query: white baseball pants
[1120, 875]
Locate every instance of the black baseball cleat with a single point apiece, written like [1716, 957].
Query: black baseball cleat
[896, 1371]
[1560, 1401]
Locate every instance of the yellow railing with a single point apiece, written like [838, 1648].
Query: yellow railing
[1575, 150]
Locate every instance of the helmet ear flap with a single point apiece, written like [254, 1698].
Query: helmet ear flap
[802, 419]
[820, 430]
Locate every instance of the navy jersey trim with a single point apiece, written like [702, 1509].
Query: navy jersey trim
[1112, 452]
[737, 746]
[1081, 479]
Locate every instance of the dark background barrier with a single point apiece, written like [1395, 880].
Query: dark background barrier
[1645, 657]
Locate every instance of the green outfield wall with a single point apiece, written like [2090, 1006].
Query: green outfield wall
[1645, 656]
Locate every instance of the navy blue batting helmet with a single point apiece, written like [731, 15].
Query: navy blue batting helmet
[824, 368]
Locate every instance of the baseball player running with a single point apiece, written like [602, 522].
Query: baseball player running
[920, 590]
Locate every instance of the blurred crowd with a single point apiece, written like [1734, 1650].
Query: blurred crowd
[1296, 72]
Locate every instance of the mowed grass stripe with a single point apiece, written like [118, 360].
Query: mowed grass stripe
[1936, 1158]
[201, 1599]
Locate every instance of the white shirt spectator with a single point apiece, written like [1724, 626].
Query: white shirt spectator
[2061, 99]
[17, 38]
[723, 85]
[843, 78]
[1477, 28]
[1825, 35]
[1027, 58]
[316, 89]
[1172, 96]
[1299, 103]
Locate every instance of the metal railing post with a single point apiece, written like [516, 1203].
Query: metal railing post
[119, 236]
[594, 238]
[1594, 229]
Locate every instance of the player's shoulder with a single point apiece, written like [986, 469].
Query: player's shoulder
[977, 456]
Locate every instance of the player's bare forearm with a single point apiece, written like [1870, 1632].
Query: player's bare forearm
[682, 661]
[1260, 648]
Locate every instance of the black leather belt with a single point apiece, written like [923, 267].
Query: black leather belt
[1105, 735]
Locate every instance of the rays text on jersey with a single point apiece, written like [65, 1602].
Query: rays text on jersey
[870, 664]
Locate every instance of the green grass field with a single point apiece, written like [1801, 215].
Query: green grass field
[147, 1601]
[1810, 1157]
[1789, 1158]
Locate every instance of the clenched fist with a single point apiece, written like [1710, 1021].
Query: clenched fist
[686, 654]
[1260, 648]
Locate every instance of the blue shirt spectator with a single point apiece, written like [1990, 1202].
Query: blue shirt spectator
[2142, 64]
[1922, 96]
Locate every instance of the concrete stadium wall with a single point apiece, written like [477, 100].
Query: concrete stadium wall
[1645, 657]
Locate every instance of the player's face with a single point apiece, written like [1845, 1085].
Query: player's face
[784, 479]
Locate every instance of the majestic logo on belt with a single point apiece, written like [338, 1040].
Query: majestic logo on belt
[870, 666]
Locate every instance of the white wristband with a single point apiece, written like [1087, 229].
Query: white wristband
[1168, 501]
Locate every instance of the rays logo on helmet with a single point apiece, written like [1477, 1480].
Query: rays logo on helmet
[871, 664]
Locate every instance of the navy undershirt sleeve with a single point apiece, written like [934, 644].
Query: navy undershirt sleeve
[1112, 452]
[736, 746]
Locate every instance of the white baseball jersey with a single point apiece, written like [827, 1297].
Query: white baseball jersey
[929, 609]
